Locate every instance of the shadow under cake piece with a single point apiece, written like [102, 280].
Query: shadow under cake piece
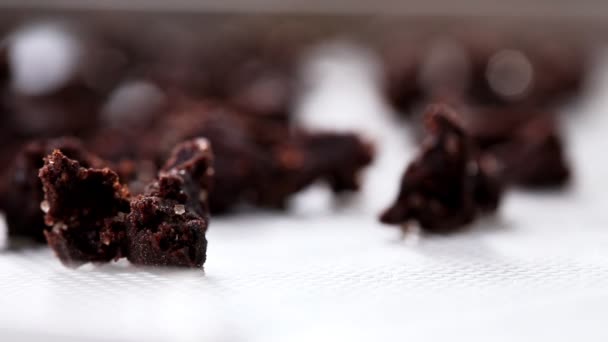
[167, 224]
[85, 208]
[450, 183]
[21, 192]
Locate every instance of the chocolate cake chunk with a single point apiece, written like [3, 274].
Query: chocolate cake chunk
[492, 125]
[21, 195]
[264, 162]
[488, 183]
[86, 208]
[401, 64]
[483, 68]
[339, 157]
[94, 219]
[167, 224]
[71, 110]
[304, 158]
[533, 156]
[449, 183]
[526, 143]
[132, 151]
[238, 162]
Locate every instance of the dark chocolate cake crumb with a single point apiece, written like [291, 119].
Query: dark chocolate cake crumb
[94, 218]
[482, 68]
[449, 184]
[167, 224]
[534, 156]
[264, 162]
[22, 194]
[71, 110]
[238, 161]
[304, 158]
[85, 208]
[526, 143]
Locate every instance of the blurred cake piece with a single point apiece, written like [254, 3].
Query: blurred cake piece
[450, 183]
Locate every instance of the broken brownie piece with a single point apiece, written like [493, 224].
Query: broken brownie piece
[264, 162]
[482, 68]
[22, 195]
[238, 161]
[167, 224]
[85, 208]
[533, 157]
[526, 143]
[304, 158]
[94, 219]
[449, 183]
[401, 61]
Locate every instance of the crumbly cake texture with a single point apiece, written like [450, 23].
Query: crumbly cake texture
[85, 209]
[527, 144]
[450, 183]
[167, 224]
[93, 218]
[533, 155]
[304, 158]
[263, 162]
[21, 192]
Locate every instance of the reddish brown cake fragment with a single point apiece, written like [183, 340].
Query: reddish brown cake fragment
[483, 68]
[450, 183]
[265, 162]
[167, 224]
[527, 144]
[21, 195]
[85, 208]
[94, 219]
[305, 158]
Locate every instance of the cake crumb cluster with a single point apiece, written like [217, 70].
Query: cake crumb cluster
[450, 183]
[93, 218]
[102, 176]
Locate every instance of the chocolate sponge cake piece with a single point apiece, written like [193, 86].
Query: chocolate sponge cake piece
[21, 192]
[238, 161]
[533, 157]
[264, 162]
[93, 217]
[304, 158]
[167, 224]
[85, 208]
[449, 184]
[526, 142]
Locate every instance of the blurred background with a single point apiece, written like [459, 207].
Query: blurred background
[128, 77]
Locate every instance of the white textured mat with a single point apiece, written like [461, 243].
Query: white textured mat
[330, 272]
